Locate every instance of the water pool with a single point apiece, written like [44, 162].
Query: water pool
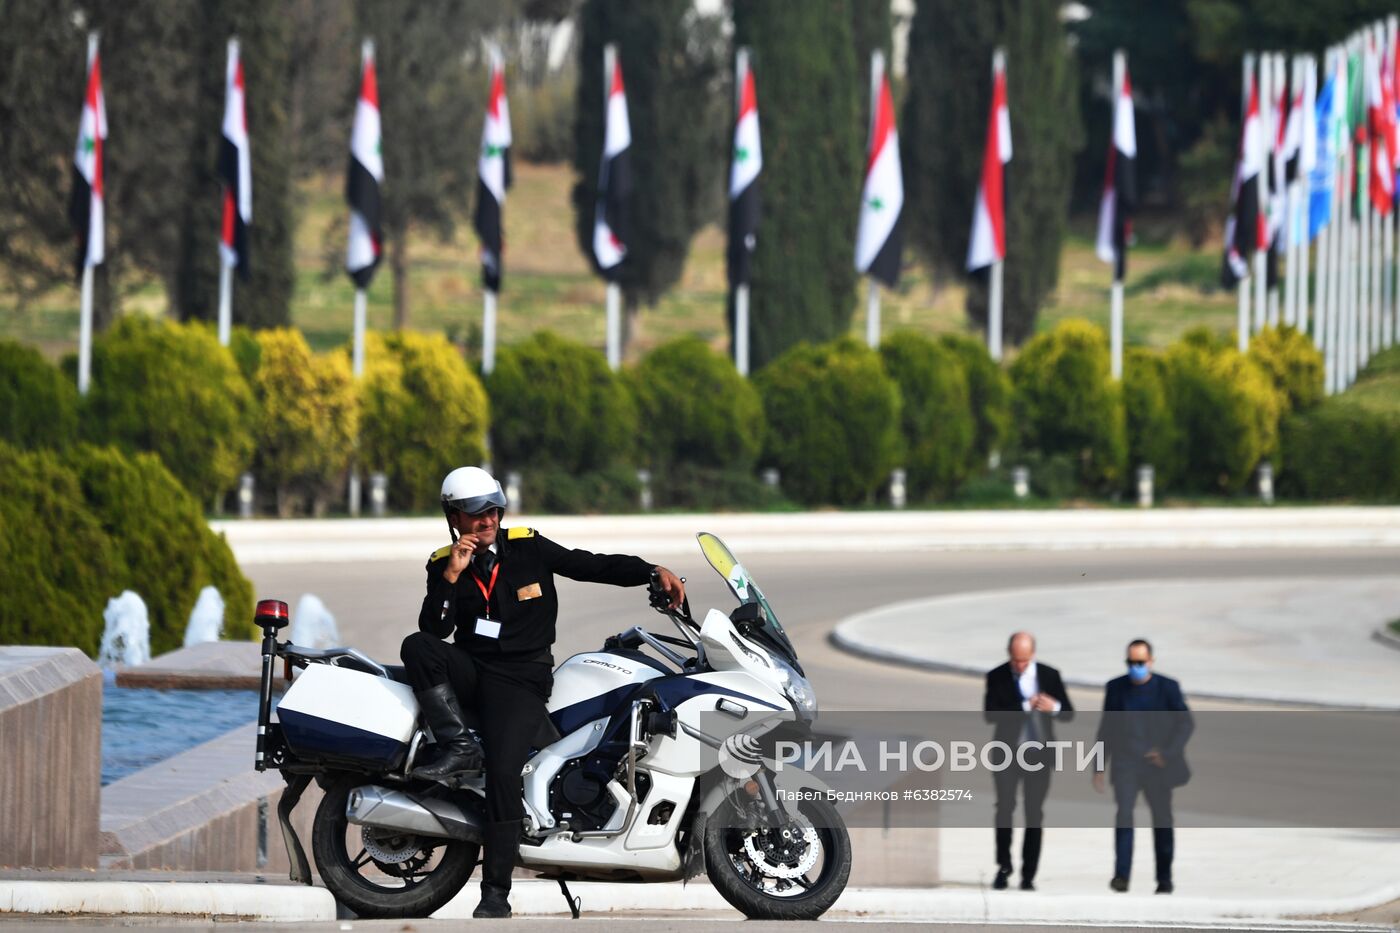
[141, 726]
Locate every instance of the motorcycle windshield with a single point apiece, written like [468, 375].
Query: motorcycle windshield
[745, 589]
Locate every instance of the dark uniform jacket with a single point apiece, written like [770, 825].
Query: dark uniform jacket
[1001, 704]
[1138, 717]
[523, 600]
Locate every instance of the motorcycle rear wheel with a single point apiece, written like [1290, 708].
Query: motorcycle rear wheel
[775, 885]
[427, 874]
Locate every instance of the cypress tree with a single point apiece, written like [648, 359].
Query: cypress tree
[264, 298]
[809, 89]
[674, 72]
[944, 129]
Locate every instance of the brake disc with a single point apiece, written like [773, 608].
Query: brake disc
[784, 853]
[389, 848]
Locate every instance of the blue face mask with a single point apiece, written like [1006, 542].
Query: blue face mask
[1138, 672]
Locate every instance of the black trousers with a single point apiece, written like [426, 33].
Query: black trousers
[508, 698]
[1036, 785]
[1127, 784]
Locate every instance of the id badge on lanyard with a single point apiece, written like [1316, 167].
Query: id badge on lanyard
[486, 626]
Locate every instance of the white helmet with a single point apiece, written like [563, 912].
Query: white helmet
[471, 490]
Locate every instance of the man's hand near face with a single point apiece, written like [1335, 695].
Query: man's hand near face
[460, 558]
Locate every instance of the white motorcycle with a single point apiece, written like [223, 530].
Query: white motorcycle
[652, 771]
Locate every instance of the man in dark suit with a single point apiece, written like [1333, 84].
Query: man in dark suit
[1023, 700]
[1144, 730]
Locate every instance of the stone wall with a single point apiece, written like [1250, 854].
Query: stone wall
[50, 757]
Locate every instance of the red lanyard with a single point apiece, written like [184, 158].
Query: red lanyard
[486, 589]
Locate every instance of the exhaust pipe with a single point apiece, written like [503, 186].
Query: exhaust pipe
[385, 808]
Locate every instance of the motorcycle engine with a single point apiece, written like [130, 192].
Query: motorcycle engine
[579, 793]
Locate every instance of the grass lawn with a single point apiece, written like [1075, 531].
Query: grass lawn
[549, 285]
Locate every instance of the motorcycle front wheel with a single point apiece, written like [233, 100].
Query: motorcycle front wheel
[793, 873]
[381, 873]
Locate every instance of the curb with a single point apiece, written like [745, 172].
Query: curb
[213, 900]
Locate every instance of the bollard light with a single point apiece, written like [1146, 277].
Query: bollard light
[994, 460]
[899, 492]
[245, 496]
[513, 489]
[644, 478]
[1266, 483]
[378, 494]
[353, 493]
[1144, 485]
[1021, 481]
[770, 477]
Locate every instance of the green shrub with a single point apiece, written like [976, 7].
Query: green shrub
[38, 403]
[423, 413]
[990, 392]
[1153, 435]
[1340, 450]
[543, 118]
[58, 567]
[1067, 403]
[690, 488]
[695, 409]
[1292, 363]
[553, 491]
[164, 548]
[833, 416]
[557, 405]
[1227, 411]
[309, 419]
[172, 390]
[936, 415]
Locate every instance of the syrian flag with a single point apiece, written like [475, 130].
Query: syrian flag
[85, 206]
[988, 244]
[362, 180]
[1380, 112]
[1119, 183]
[1277, 205]
[236, 169]
[614, 173]
[493, 178]
[1291, 134]
[746, 163]
[1245, 229]
[879, 239]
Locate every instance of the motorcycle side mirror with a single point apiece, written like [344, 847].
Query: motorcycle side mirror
[271, 615]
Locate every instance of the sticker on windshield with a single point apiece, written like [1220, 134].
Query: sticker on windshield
[739, 581]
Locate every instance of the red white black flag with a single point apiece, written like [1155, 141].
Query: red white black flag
[744, 167]
[493, 178]
[614, 174]
[1119, 183]
[85, 207]
[236, 169]
[879, 239]
[362, 181]
[1245, 228]
[988, 244]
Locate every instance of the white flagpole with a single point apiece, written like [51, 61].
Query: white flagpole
[1378, 223]
[741, 292]
[1318, 327]
[225, 301]
[994, 325]
[1306, 69]
[85, 292]
[1261, 257]
[488, 332]
[872, 313]
[1290, 223]
[1392, 293]
[1337, 244]
[1115, 292]
[1242, 319]
[1278, 90]
[614, 325]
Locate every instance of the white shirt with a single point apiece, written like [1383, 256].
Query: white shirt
[1029, 683]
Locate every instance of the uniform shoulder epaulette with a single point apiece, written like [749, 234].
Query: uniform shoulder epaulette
[440, 553]
[519, 532]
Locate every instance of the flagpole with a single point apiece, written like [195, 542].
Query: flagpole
[1363, 208]
[614, 325]
[1115, 291]
[488, 332]
[1307, 75]
[872, 313]
[1392, 294]
[1318, 327]
[1279, 73]
[1337, 225]
[741, 291]
[85, 291]
[1261, 256]
[994, 326]
[225, 301]
[1242, 318]
[1290, 223]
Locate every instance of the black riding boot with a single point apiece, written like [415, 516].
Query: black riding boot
[502, 843]
[459, 751]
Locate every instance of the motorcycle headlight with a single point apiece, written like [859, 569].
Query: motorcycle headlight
[796, 687]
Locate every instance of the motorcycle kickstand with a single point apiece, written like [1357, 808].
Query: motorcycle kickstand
[572, 901]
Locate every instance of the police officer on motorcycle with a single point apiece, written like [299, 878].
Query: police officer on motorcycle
[494, 588]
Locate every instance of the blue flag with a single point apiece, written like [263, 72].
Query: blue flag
[1320, 180]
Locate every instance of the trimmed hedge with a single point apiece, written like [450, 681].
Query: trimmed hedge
[1292, 363]
[1228, 412]
[1153, 435]
[836, 417]
[78, 528]
[172, 390]
[695, 409]
[989, 390]
[936, 418]
[558, 406]
[1342, 450]
[309, 419]
[38, 403]
[423, 413]
[1067, 403]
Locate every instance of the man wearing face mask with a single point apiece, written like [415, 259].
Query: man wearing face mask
[1144, 730]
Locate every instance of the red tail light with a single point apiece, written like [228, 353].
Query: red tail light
[272, 612]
